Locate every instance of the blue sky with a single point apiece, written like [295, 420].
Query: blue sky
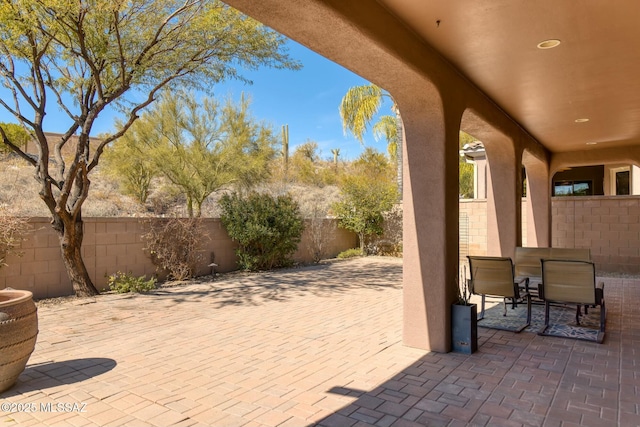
[307, 100]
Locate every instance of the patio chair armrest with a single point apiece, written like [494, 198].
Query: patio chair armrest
[599, 293]
[524, 280]
[524, 294]
[519, 283]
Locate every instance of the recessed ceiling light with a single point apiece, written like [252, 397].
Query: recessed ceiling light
[591, 143]
[548, 44]
[584, 120]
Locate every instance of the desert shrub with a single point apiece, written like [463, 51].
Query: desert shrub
[387, 248]
[123, 283]
[268, 229]
[366, 195]
[320, 232]
[351, 253]
[174, 245]
[390, 242]
[12, 231]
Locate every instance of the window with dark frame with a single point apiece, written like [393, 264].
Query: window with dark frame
[622, 183]
[573, 188]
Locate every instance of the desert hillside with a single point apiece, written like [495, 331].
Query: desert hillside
[19, 193]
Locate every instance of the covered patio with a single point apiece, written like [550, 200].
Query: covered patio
[317, 345]
[544, 85]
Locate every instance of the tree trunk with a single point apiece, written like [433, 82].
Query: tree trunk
[71, 237]
[399, 146]
[189, 206]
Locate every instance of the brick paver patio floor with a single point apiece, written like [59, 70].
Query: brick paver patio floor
[315, 345]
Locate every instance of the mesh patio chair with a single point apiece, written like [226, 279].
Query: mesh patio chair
[572, 282]
[494, 277]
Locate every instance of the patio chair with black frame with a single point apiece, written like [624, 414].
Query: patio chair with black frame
[571, 282]
[494, 277]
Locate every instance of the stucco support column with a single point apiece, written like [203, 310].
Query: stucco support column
[538, 204]
[504, 198]
[430, 231]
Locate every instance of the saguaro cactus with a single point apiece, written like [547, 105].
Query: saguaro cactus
[285, 149]
[336, 153]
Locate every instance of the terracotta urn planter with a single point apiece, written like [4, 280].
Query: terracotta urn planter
[18, 332]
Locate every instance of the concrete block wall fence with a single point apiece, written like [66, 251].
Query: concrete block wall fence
[608, 225]
[476, 212]
[115, 244]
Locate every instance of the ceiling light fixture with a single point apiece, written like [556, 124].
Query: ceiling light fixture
[549, 44]
[584, 120]
[591, 143]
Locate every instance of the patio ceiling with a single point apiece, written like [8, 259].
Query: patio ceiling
[593, 74]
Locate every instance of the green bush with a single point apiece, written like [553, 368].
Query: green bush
[123, 283]
[365, 197]
[268, 229]
[350, 253]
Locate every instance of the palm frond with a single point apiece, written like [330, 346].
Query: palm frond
[358, 107]
[387, 128]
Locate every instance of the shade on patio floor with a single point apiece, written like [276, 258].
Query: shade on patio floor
[314, 345]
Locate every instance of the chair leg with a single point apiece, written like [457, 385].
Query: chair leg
[528, 310]
[578, 315]
[482, 308]
[504, 302]
[546, 313]
[586, 309]
[603, 315]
